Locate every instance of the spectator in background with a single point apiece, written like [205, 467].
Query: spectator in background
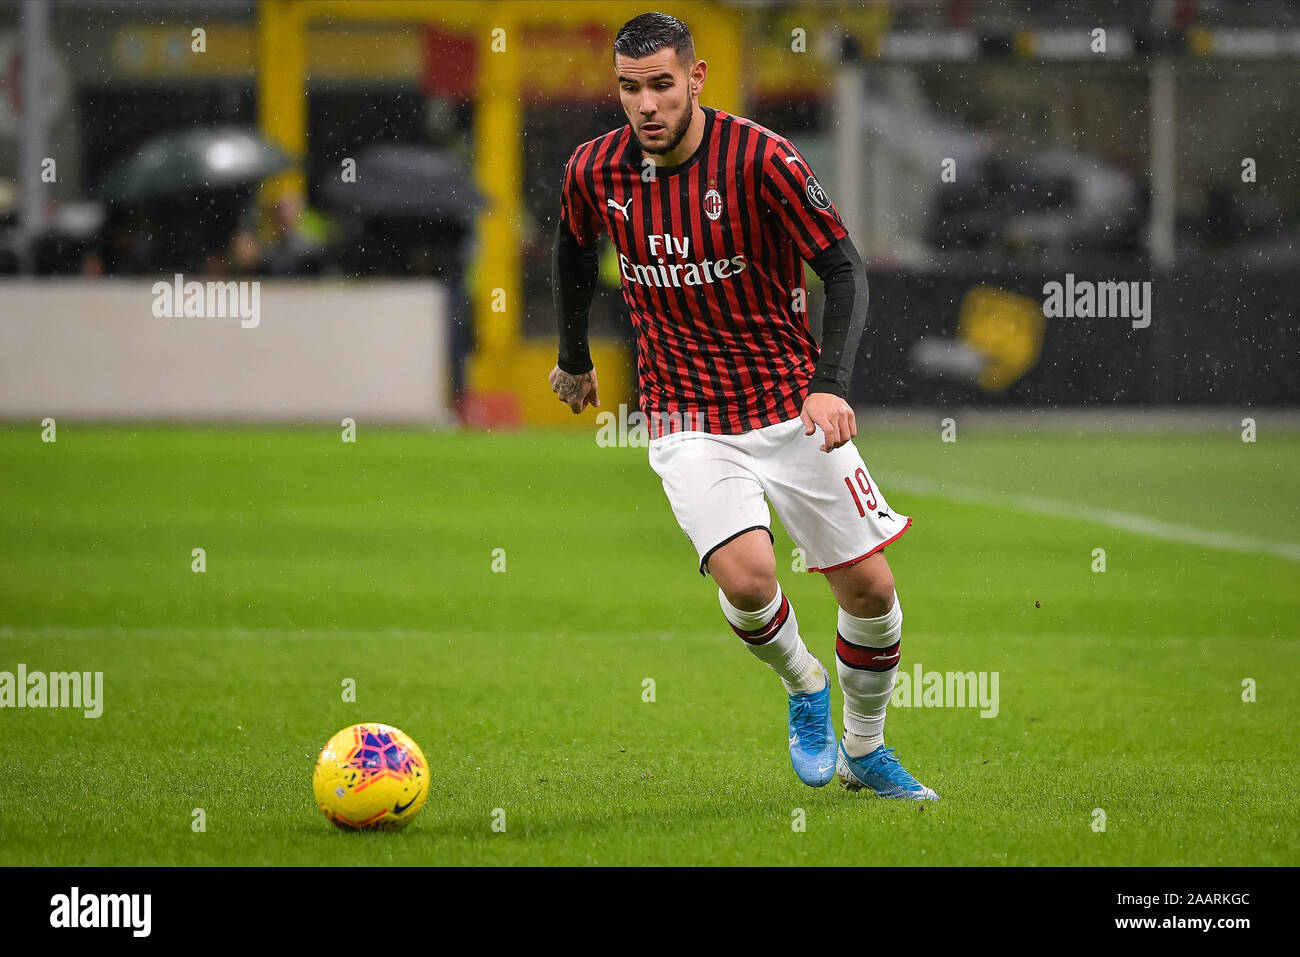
[300, 239]
[452, 248]
[442, 253]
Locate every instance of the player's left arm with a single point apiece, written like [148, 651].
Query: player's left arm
[844, 317]
[800, 205]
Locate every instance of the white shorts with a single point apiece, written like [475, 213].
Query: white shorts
[827, 501]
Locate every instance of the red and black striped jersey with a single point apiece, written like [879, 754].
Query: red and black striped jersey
[710, 256]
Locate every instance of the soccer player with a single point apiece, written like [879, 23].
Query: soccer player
[711, 216]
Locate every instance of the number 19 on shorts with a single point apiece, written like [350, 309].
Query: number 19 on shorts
[863, 484]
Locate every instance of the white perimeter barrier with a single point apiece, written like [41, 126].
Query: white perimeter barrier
[318, 351]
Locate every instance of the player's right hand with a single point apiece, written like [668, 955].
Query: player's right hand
[575, 391]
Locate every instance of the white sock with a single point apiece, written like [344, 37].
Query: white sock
[772, 635]
[867, 655]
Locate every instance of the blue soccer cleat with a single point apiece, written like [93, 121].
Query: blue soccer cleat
[881, 772]
[812, 736]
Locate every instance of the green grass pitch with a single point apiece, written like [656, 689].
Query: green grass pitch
[374, 561]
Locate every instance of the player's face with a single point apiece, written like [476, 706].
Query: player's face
[657, 98]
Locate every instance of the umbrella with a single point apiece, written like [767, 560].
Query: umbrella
[194, 160]
[406, 181]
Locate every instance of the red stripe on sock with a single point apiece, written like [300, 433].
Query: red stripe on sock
[867, 659]
[761, 636]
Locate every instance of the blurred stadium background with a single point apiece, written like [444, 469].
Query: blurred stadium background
[1122, 165]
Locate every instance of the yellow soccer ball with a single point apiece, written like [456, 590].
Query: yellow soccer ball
[371, 777]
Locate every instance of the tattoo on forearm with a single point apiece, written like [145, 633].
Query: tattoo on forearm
[570, 386]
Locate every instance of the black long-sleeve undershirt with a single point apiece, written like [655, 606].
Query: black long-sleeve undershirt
[573, 281]
[844, 316]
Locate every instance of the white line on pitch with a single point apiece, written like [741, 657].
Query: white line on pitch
[238, 631]
[1112, 518]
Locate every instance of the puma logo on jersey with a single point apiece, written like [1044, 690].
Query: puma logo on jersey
[622, 209]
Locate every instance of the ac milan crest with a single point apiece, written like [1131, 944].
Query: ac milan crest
[713, 204]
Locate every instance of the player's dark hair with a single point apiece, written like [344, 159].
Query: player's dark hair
[651, 32]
